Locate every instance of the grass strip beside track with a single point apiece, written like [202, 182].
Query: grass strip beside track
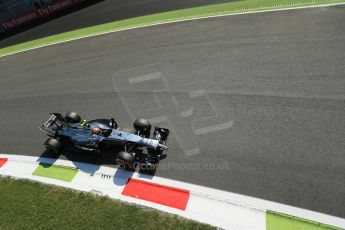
[240, 6]
[31, 205]
[276, 220]
[58, 172]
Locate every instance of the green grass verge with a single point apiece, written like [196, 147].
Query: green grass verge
[57, 172]
[276, 221]
[30, 205]
[211, 10]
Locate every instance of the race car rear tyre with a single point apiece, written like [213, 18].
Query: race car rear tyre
[72, 117]
[125, 160]
[143, 126]
[53, 144]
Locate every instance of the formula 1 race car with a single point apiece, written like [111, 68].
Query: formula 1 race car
[103, 135]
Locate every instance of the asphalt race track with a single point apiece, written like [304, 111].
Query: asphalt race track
[256, 103]
[95, 12]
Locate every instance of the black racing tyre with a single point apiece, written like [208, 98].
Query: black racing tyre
[72, 117]
[143, 126]
[53, 144]
[125, 160]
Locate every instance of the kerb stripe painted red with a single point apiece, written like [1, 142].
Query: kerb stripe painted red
[3, 161]
[157, 193]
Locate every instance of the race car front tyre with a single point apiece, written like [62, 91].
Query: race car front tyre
[125, 160]
[143, 126]
[72, 117]
[53, 145]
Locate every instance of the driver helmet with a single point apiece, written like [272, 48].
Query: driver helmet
[96, 130]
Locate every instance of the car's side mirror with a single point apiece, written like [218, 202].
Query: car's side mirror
[113, 123]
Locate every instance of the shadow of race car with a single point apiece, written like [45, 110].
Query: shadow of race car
[137, 146]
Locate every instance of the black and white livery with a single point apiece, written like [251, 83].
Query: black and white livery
[102, 136]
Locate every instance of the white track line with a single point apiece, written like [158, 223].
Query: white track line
[174, 21]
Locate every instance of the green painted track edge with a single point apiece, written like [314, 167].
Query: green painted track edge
[317, 225]
[42, 170]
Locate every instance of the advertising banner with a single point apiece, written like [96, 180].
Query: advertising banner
[33, 15]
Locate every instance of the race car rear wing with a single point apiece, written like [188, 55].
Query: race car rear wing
[55, 121]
